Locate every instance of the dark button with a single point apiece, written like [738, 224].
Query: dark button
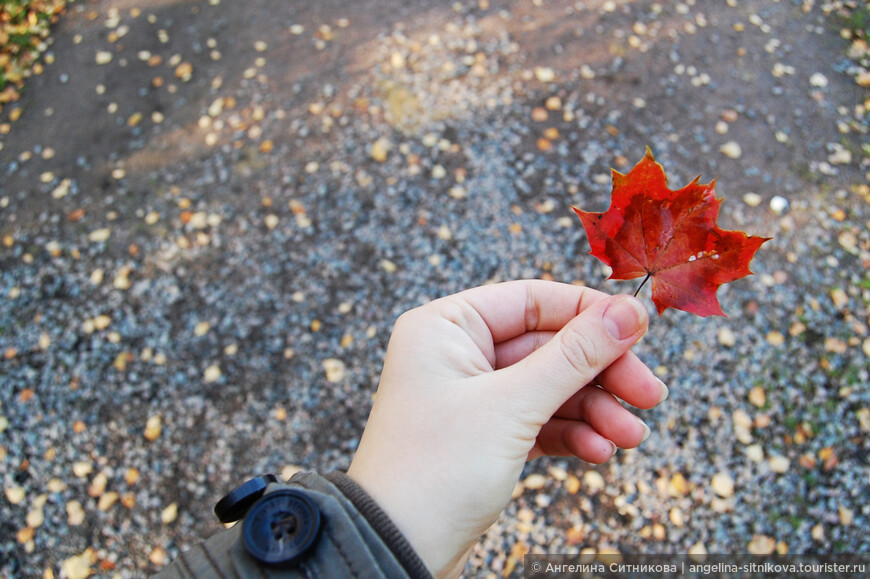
[281, 527]
[233, 507]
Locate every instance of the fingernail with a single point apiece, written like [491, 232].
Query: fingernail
[613, 444]
[623, 316]
[665, 391]
[646, 430]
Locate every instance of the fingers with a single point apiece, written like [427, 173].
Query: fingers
[571, 438]
[591, 426]
[580, 351]
[512, 351]
[600, 410]
[513, 308]
[631, 380]
[627, 378]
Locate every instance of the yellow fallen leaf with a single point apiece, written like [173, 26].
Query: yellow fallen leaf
[15, 494]
[25, 535]
[98, 485]
[380, 149]
[99, 235]
[169, 514]
[184, 71]
[107, 500]
[79, 566]
[82, 469]
[723, 484]
[153, 427]
[761, 545]
[158, 556]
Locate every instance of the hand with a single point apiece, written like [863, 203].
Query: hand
[476, 383]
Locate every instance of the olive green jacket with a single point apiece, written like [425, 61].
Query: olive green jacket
[351, 537]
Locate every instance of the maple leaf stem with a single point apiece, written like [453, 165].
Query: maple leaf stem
[637, 291]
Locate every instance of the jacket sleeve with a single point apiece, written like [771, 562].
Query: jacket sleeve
[355, 538]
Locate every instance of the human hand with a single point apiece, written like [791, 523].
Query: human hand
[476, 383]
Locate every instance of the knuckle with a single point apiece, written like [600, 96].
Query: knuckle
[408, 321]
[579, 350]
[406, 318]
[532, 310]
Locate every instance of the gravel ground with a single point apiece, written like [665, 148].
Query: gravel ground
[211, 213]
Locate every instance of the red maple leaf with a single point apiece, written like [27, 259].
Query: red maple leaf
[670, 237]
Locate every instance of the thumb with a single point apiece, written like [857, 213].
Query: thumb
[585, 346]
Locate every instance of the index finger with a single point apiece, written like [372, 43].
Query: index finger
[513, 308]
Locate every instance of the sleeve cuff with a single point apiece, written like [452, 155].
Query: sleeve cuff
[382, 525]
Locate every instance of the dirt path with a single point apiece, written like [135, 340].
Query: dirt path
[212, 212]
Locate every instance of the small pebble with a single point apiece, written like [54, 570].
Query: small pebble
[535, 481]
[169, 514]
[778, 204]
[752, 199]
[678, 485]
[723, 484]
[82, 469]
[779, 464]
[75, 513]
[754, 452]
[818, 80]
[335, 370]
[726, 337]
[271, 221]
[98, 485]
[107, 500]
[545, 74]
[572, 484]
[212, 373]
[153, 427]
[79, 566]
[757, 396]
[732, 150]
[593, 481]
[761, 545]
[846, 516]
[158, 556]
[380, 149]
[15, 494]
